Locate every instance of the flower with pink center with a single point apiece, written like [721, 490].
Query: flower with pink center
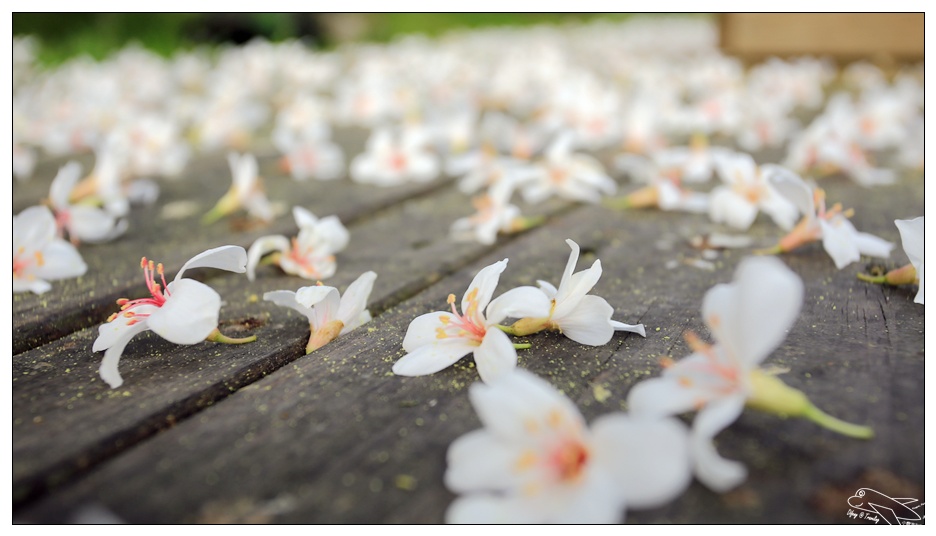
[390, 162]
[246, 192]
[184, 311]
[82, 222]
[749, 318]
[39, 256]
[310, 255]
[537, 461]
[435, 341]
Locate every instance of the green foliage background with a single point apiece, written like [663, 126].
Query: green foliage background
[65, 35]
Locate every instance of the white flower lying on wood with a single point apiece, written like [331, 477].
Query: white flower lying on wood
[39, 256]
[582, 317]
[435, 341]
[184, 311]
[82, 222]
[749, 319]
[839, 237]
[537, 461]
[310, 255]
[911, 235]
[246, 192]
[330, 314]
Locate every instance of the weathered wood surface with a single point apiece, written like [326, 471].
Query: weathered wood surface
[261, 432]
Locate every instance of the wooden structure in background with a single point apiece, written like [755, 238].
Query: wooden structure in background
[845, 36]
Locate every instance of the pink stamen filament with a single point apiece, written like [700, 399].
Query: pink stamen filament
[463, 325]
[158, 293]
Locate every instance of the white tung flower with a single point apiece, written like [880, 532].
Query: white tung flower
[246, 192]
[83, 223]
[744, 192]
[749, 318]
[580, 316]
[184, 311]
[839, 237]
[537, 461]
[330, 314]
[435, 341]
[310, 255]
[39, 256]
[911, 235]
[577, 177]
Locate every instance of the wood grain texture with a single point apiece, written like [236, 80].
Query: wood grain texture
[264, 433]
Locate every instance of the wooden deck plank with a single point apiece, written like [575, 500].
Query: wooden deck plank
[113, 269]
[58, 396]
[335, 437]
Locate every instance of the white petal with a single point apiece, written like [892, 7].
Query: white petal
[230, 258]
[873, 246]
[36, 286]
[548, 289]
[422, 330]
[262, 246]
[632, 328]
[572, 293]
[661, 397]
[324, 302]
[597, 500]
[111, 332]
[335, 232]
[60, 261]
[496, 356]
[726, 206]
[570, 266]
[911, 237]
[649, 458]
[589, 323]
[838, 239]
[91, 224]
[354, 302]
[516, 407]
[304, 218]
[63, 184]
[790, 186]
[431, 358]
[487, 509]
[189, 315]
[33, 228]
[714, 471]
[520, 302]
[477, 461]
[783, 212]
[485, 282]
[287, 298]
[108, 369]
[751, 316]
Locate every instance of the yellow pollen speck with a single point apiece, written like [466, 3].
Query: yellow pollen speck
[685, 382]
[40, 260]
[445, 319]
[601, 394]
[451, 299]
[531, 426]
[526, 460]
[554, 419]
[440, 333]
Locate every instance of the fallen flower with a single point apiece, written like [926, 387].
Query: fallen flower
[839, 237]
[184, 311]
[911, 235]
[584, 318]
[39, 256]
[749, 318]
[82, 222]
[537, 461]
[435, 341]
[746, 191]
[310, 255]
[246, 192]
[330, 314]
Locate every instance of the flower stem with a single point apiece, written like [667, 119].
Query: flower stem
[524, 223]
[509, 330]
[827, 421]
[522, 345]
[217, 336]
[776, 250]
[879, 280]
